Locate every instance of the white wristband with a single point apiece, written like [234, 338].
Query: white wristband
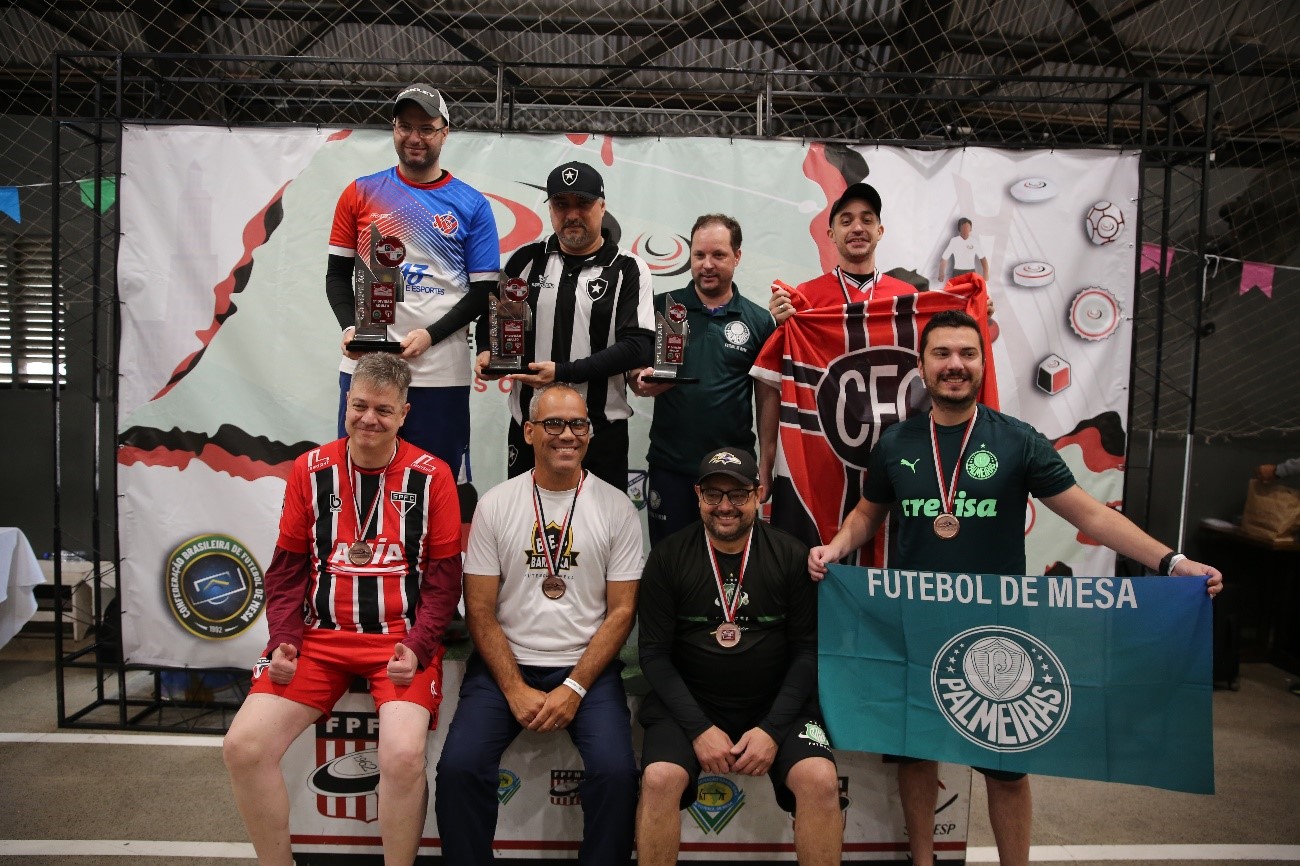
[573, 684]
[1174, 560]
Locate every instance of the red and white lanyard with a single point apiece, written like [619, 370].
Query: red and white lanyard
[949, 495]
[729, 609]
[355, 481]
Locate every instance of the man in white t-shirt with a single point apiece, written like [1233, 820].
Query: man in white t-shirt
[965, 253]
[551, 578]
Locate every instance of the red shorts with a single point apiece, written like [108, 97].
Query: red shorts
[328, 662]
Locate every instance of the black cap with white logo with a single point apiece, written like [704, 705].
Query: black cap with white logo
[575, 178]
[736, 463]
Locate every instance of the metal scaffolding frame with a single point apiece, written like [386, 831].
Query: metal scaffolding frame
[94, 94]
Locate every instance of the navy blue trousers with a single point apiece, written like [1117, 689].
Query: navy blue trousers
[465, 799]
[673, 504]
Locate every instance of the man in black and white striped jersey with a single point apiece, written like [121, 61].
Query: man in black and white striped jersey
[592, 320]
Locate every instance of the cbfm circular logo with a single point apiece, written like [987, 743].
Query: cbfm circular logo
[1001, 688]
[214, 586]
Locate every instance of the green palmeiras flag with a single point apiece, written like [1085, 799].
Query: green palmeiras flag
[1093, 678]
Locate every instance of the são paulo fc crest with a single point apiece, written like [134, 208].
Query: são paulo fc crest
[1001, 688]
[214, 586]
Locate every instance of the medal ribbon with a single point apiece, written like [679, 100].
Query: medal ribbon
[949, 496]
[729, 610]
[553, 557]
[844, 286]
[356, 489]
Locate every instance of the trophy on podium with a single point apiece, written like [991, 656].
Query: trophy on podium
[507, 322]
[671, 334]
[377, 285]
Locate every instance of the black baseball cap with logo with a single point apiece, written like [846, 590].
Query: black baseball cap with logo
[857, 192]
[575, 178]
[736, 463]
[426, 97]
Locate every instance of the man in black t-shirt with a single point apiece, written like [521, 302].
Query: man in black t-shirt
[729, 646]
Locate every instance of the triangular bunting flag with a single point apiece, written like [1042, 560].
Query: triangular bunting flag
[1255, 275]
[1151, 259]
[107, 193]
[9, 203]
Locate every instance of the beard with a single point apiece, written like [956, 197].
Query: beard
[422, 163]
[737, 532]
[951, 402]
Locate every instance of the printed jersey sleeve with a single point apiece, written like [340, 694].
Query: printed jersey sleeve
[295, 516]
[343, 233]
[482, 246]
[1046, 472]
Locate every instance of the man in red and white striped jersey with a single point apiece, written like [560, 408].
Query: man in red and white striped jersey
[365, 578]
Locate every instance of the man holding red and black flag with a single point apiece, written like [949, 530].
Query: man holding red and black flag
[844, 363]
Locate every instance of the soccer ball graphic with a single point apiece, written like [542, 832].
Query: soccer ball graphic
[1104, 221]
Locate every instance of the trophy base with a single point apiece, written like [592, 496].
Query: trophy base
[671, 380]
[493, 370]
[363, 346]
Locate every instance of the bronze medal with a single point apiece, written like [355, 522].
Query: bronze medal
[359, 553]
[946, 526]
[554, 587]
[728, 635]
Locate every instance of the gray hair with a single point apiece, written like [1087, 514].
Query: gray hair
[384, 370]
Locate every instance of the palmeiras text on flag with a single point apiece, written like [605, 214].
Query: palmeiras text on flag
[1092, 678]
[846, 374]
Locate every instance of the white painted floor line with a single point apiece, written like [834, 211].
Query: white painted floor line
[1126, 853]
[115, 739]
[126, 848]
[1038, 854]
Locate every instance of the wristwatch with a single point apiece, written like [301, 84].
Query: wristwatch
[1170, 561]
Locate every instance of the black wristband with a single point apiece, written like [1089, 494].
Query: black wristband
[1167, 562]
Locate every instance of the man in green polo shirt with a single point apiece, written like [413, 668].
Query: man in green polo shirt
[726, 332]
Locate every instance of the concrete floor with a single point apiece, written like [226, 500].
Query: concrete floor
[103, 792]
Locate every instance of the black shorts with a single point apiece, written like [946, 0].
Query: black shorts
[666, 741]
[999, 775]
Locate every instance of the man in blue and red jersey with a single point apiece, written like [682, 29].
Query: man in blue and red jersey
[365, 578]
[441, 233]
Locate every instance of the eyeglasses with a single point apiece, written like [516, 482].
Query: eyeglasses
[555, 426]
[425, 132]
[737, 497]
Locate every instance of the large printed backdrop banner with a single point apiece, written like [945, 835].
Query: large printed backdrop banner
[229, 351]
